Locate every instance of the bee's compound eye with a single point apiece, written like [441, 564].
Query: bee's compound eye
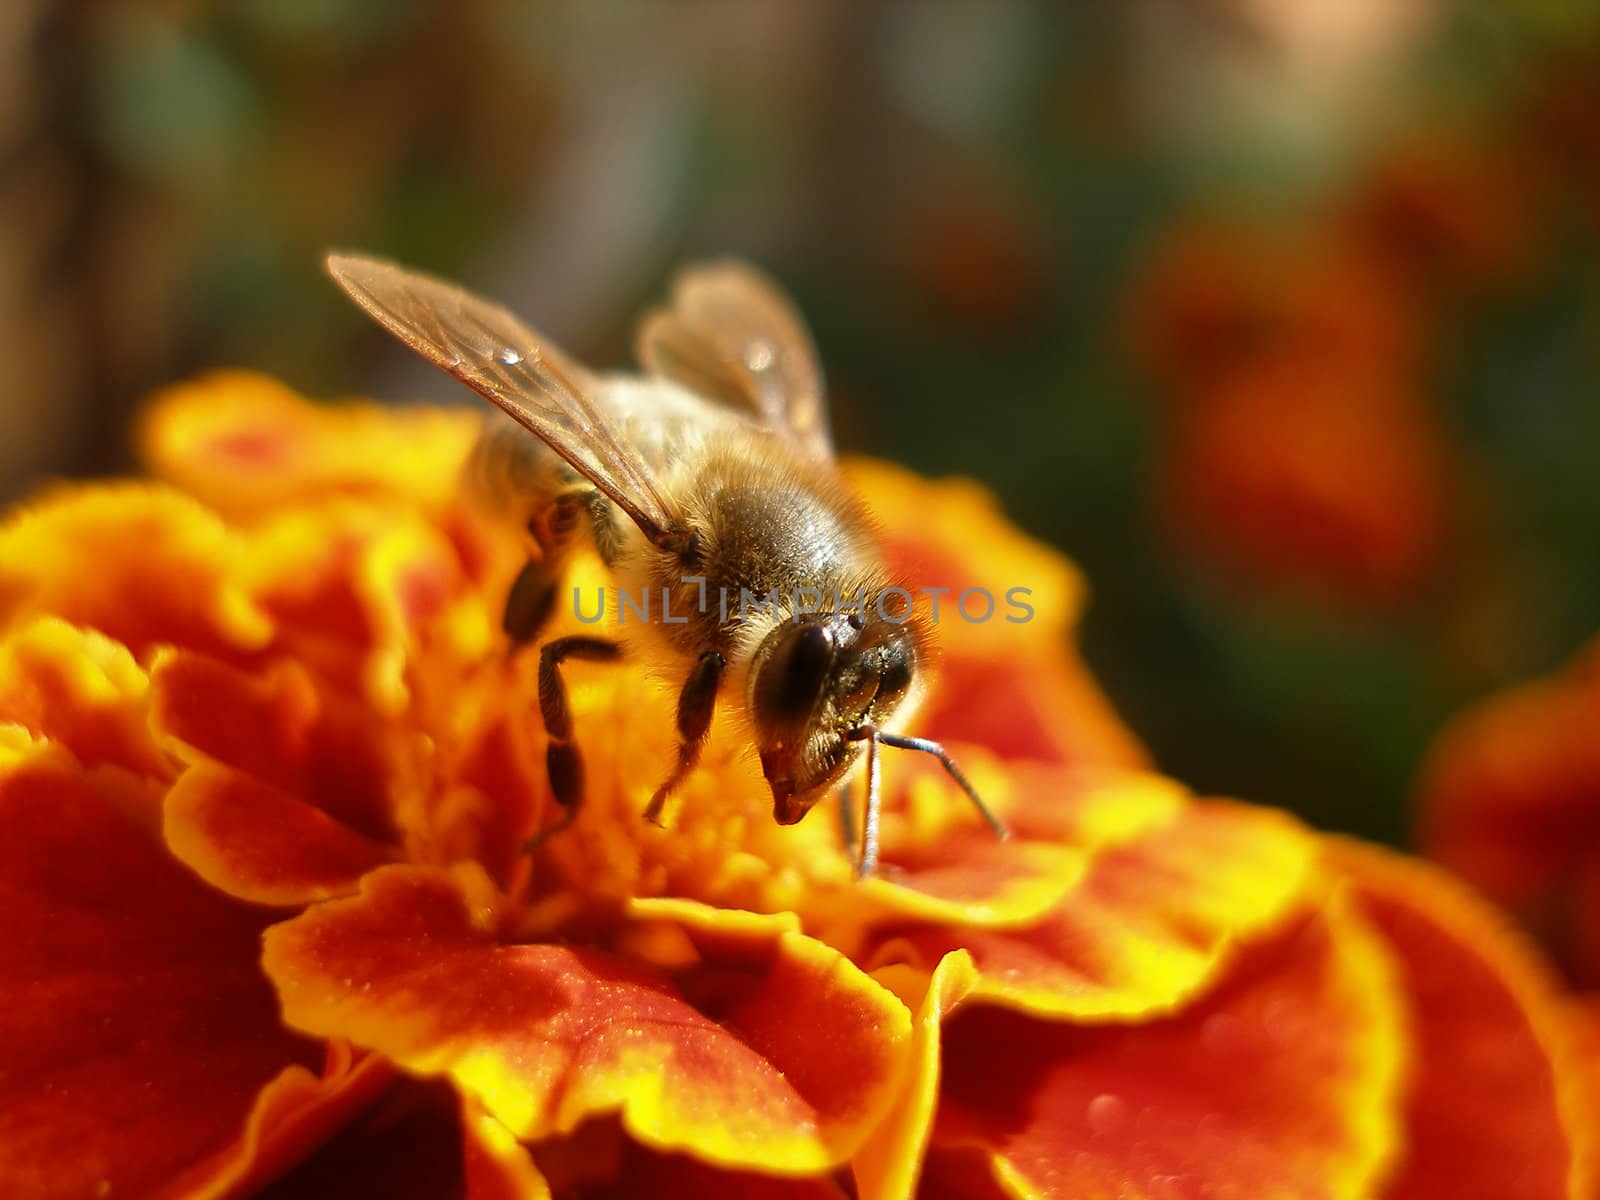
[861, 691]
[792, 678]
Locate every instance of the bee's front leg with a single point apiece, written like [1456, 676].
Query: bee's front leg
[563, 761]
[696, 703]
[533, 593]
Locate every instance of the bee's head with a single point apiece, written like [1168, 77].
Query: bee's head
[812, 682]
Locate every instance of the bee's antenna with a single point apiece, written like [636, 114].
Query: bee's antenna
[872, 736]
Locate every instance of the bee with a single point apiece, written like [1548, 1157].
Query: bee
[708, 481]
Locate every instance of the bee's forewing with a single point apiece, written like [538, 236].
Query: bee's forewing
[496, 355]
[731, 335]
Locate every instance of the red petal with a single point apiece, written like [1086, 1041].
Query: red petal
[138, 1028]
[293, 1116]
[260, 844]
[547, 1036]
[1498, 1106]
[1280, 1083]
[279, 727]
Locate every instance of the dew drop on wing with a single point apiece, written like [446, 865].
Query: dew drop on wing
[510, 355]
[758, 355]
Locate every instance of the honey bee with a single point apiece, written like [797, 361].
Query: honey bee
[708, 481]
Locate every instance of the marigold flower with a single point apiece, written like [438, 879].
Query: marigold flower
[264, 769]
[1510, 799]
[1299, 451]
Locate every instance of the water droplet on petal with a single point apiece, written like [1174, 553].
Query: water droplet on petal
[1107, 1114]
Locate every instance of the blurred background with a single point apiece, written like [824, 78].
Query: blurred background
[1281, 317]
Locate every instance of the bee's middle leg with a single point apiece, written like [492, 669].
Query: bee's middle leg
[696, 703]
[563, 760]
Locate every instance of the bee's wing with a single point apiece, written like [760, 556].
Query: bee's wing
[732, 335]
[499, 357]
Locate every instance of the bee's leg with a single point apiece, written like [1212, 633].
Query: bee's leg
[929, 746]
[695, 705]
[529, 602]
[847, 819]
[867, 864]
[563, 762]
[533, 593]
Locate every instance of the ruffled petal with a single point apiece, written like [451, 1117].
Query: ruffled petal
[1151, 921]
[351, 585]
[546, 1036]
[1499, 1103]
[1281, 1082]
[1047, 707]
[138, 1029]
[944, 866]
[244, 444]
[293, 1115]
[278, 727]
[141, 564]
[80, 690]
[260, 844]
[886, 1168]
[1004, 609]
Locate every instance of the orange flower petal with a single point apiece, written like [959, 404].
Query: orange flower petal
[351, 584]
[81, 690]
[138, 1029]
[257, 843]
[1004, 678]
[244, 444]
[141, 564]
[293, 1115]
[943, 865]
[1045, 706]
[496, 1165]
[1498, 1105]
[278, 727]
[951, 534]
[1279, 1083]
[887, 1165]
[547, 1036]
[1151, 922]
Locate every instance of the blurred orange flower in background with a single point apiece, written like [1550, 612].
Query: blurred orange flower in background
[1510, 800]
[264, 768]
[1299, 450]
